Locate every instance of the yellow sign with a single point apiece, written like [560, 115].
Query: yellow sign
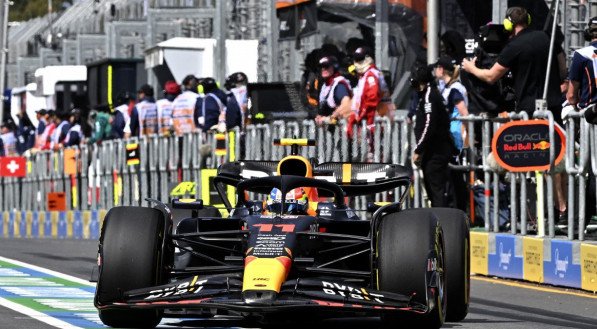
[532, 251]
[588, 267]
[479, 253]
[183, 189]
[210, 196]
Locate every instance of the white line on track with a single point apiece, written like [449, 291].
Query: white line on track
[33, 313]
[47, 271]
[36, 315]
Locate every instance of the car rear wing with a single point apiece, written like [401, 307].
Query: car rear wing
[354, 178]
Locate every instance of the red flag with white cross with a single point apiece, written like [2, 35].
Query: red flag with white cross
[13, 167]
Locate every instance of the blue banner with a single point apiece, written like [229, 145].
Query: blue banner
[504, 262]
[561, 269]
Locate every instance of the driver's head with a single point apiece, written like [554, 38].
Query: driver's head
[296, 202]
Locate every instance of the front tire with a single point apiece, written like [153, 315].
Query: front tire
[131, 257]
[455, 224]
[408, 242]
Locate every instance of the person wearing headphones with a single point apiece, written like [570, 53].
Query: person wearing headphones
[525, 55]
[335, 95]
[434, 146]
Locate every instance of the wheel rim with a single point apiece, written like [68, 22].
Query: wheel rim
[441, 279]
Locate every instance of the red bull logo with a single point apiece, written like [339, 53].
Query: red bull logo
[542, 145]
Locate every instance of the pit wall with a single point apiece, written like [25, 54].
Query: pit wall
[556, 262]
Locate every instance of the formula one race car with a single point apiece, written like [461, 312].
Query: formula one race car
[298, 250]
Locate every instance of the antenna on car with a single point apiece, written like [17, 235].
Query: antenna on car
[294, 143]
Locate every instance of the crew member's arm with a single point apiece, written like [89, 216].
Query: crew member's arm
[575, 77]
[488, 75]
[342, 97]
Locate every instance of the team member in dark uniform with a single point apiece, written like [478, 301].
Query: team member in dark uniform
[434, 145]
[526, 56]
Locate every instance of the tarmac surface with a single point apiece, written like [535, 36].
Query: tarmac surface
[495, 303]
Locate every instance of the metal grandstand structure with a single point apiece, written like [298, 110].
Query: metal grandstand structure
[92, 30]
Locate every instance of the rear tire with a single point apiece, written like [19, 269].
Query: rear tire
[455, 224]
[131, 255]
[406, 241]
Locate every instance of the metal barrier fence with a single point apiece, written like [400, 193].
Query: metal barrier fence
[104, 179]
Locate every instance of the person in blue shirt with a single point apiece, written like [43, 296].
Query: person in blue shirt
[212, 107]
[582, 87]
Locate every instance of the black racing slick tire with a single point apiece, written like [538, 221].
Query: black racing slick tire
[455, 224]
[131, 258]
[410, 261]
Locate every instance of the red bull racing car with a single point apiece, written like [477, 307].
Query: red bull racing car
[290, 247]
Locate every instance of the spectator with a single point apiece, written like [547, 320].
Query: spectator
[164, 107]
[46, 138]
[335, 95]
[9, 140]
[236, 84]
[434, 146]
[367, 94]
[455, 96]
[581, 93]
[41, 127]
[526, 56]
[183, 107]
[212, 109]
[582, 71]
[62, 127]
[25, 133]
[147, 111]
[122, 119]
[101, 122]
[74, 136]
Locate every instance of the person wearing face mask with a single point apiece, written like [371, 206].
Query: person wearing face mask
[434, 146]
[367, 94]
[335, 95]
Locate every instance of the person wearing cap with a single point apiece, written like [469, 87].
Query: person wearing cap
[369, 91]
[456, 97]
[236, 84]
[433, 144]
[74, 136]
[164, 106]
[211, 111]
[447, 72]
[62, 128]
[183, 107]
[335, 94]
[525, 55]
[147, 112]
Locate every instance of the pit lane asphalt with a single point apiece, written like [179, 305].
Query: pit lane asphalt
[495, 304]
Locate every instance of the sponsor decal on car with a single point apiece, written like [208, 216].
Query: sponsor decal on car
[335, 289]
[187, 287]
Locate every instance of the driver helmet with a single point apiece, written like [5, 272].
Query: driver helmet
[296, 202]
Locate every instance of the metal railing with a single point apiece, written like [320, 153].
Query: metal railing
[104, 179]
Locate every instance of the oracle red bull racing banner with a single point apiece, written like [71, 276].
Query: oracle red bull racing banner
[522, 146]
